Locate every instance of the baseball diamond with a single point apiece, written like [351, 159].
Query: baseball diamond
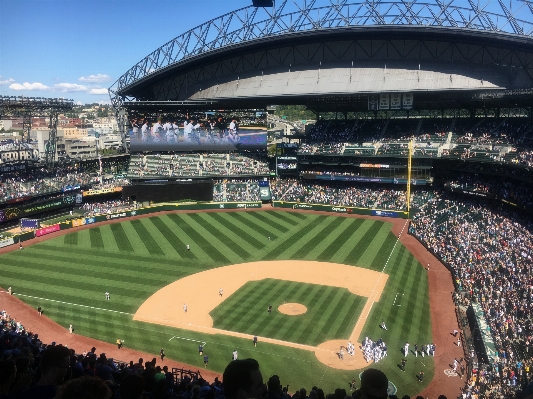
[146, 274]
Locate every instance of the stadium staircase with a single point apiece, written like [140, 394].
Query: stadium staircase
[384, 130]
[419, 127]
[452, 127]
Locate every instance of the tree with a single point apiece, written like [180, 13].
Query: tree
[294, 112]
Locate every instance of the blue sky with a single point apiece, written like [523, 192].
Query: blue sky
[76, 49]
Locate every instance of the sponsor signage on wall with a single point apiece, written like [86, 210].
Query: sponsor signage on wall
[47, 230]
[373, 165]
[6, 242]
[29, 223]
[389, 214]
[15, 212]
[78, 222]
[102, 191]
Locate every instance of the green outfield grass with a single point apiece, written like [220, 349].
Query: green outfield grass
[134, 259]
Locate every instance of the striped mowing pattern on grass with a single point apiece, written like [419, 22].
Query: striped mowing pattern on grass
[332, 312]
[135, 258]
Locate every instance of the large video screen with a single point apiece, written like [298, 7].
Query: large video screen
[206, 131]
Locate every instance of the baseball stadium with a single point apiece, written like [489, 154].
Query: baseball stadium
[328, 187]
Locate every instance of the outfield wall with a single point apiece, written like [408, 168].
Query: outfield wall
[351, 210]
[78, 222]
[73, 223]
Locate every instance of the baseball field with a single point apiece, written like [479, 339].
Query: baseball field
[328, 279]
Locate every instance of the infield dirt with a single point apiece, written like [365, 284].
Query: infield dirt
[200, 292]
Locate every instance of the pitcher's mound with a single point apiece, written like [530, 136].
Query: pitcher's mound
[292, 309]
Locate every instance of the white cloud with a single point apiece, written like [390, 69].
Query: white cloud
[98, 91]
[79, 103]
[104, 102]
[69, 87]
[6, 82]
[98, 78]
[28, 86]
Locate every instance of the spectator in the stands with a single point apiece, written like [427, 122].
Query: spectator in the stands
[131, 387]
[85, 388]
[242, 379]
[55, 369]
[374, 384]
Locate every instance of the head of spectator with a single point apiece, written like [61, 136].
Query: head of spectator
[55, 364]
[84, 388]
[25, 374]
[131, 387]
[242, 379]
[274, 386]
[340, 393]
[374, 384]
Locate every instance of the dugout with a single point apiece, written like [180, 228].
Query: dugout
[166, 191]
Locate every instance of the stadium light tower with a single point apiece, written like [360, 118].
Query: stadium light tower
[29, 107]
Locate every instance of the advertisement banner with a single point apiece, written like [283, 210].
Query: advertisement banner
[90, 220]
[47, 230]
[70, 188]
[389, 214]
[395, 101]
[6, 242]
[78, 222]
[120, 215]
[339, 209]
[102, 191]
[384, 101]
[26, 210]
[29, 224]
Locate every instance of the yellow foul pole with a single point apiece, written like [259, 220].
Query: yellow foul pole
[409, 178]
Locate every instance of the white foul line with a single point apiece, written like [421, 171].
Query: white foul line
[74, 304]
[188, 339]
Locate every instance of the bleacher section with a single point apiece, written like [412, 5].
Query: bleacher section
[195, 165]
[480, 139]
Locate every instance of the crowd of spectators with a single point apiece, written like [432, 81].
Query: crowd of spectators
[236, 190]
[31, 369]
[191, 165]
[489, 139]
[490, 252]
[114, 181]
[494, 187]
[374, 196]
[112, 206]
[39, 182]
